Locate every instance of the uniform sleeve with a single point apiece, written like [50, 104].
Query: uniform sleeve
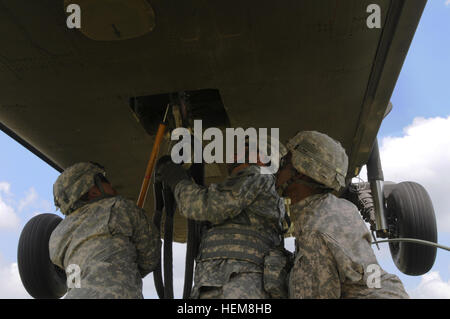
[144, 236]
[54, 248]
[218, 202]
[314, 274]
[348, 239]
[148, 244]
[357, 267]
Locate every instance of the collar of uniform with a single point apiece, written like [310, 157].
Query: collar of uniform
[306, 203]
[299, 211]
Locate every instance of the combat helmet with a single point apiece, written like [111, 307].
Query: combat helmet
[73, 183]
[319, 157]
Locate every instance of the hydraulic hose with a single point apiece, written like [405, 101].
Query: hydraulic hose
[412, 240]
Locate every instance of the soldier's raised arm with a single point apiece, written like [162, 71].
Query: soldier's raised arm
[218, 202]
[144, 236]
[148, 243]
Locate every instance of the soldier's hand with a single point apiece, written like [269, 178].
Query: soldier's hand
[169, 173]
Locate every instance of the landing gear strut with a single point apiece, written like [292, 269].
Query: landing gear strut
[398, 211]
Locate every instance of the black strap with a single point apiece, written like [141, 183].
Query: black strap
[159, 205]
[288, 222]
[169, 205]
[193, 240]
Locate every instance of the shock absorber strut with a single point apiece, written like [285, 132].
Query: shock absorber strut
[376, 180]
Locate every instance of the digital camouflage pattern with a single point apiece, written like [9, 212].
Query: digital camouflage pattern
[114, 244]
[320, 157]
[334, 253]
[246, 200]
[240, 285]
[247, 189]
[236, 241]
[72, 184]
[277, 265]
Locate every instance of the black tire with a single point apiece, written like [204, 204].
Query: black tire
[410, 214]
[40, 277]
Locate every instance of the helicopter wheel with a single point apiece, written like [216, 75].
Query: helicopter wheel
[410, 214]
[40, 277]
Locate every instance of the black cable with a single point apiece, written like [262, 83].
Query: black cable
[189, 262]
[169, 204]
[159, 205]
[193, 237]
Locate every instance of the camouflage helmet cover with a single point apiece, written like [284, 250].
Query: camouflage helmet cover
[319, 157]
[73, 183]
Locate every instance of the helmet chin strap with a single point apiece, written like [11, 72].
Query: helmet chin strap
[232, 166]
[98, 183]
[296, 179]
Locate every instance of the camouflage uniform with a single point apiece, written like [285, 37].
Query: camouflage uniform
[333, 253]
[334, 257]
[246, 214]
[110, 239]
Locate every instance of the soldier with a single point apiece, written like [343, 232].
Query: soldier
[334, 258]
[108, 237]
[246, 214]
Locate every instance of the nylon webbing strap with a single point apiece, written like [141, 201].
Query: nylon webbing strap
[235, 243]
[256, 246]
[233, 255]
[239, 231]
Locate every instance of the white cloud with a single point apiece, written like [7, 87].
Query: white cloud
[447, 3]
[34, 202]
[432, 287]
[5, 188]
[11, 287]
[8, 217]
[29, 199]
[422, 155]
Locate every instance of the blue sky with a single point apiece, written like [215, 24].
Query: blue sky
[422, 91]
[423, 87]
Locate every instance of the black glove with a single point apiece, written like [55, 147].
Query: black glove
[169, 173]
